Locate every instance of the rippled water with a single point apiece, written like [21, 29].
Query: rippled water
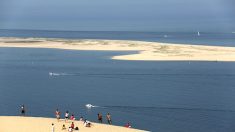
[155, 96]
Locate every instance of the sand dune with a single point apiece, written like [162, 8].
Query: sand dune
[39, 124]
[151, 51]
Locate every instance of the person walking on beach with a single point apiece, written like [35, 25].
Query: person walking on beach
[22, 110]
[100, 118]
[66, 116]
[52, 128]
[108, 116]
[57, 115]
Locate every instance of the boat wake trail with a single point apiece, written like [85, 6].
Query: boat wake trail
[134, 74]
[160, 108]
[60, 74]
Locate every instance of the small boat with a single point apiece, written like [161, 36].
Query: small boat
[53, 74]
[89, 106]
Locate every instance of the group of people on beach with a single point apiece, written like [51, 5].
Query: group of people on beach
[57, 114]
[67, 117]
[108, 117]
[71, 118]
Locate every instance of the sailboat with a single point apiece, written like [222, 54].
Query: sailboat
[198, 34]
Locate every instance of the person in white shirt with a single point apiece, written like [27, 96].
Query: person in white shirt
[70, 129]
[66, 116]
[52, 128]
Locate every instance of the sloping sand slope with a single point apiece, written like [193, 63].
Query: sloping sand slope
[39, 124]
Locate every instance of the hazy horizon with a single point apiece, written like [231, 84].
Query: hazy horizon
[132, 15]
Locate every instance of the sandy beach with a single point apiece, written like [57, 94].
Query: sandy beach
[149, 51]
[39, 124]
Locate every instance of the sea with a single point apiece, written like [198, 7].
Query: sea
[157, 96]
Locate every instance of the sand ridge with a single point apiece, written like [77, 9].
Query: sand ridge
[147, 51]
[40, 124]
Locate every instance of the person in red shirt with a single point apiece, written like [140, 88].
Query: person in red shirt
[72, 117]
[57, 114]
[72, 125]
[128, 125]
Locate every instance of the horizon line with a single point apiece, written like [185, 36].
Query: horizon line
[59, 30]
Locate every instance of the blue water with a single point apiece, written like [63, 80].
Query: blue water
[155, 96]
[205, 38]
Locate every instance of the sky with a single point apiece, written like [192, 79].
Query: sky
[119, 15]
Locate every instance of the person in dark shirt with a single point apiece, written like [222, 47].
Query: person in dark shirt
[22, 110]
[100, 118]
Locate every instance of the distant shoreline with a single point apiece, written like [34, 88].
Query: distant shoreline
[147, 51]
[41, 124]
[177, 37]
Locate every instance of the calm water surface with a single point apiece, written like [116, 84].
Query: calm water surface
[205, 38]
[155, 96]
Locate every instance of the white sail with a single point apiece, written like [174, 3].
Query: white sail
[198, 34]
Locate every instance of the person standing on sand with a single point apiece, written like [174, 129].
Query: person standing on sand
[52, 128]
[66, 115]
[22, 110]
[57, 114]
[108, 116]
[100, 118]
